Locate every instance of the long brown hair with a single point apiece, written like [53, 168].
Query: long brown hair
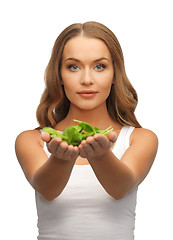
[54, 104]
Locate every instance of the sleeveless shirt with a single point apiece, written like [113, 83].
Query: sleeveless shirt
[84, 210]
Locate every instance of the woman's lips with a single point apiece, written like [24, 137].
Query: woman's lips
[87, 93]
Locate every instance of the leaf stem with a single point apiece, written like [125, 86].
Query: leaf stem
[105, 131]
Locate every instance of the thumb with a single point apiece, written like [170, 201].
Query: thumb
[46, 137]
[112, 136]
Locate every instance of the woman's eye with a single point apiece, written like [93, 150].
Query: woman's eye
[73, 67]
[100, 67]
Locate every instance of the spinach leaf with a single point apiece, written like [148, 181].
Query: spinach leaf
[85, 126]
[53, 133]
[69, 133]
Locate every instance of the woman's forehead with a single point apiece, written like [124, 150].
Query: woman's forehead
[85, 47]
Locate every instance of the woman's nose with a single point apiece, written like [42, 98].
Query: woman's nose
[86, 77]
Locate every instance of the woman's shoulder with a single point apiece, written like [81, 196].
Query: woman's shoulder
[143, 134]
[30, 136]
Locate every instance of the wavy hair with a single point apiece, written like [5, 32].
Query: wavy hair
[122, 100]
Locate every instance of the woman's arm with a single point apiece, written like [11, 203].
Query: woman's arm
[50, 175]
[119, 177]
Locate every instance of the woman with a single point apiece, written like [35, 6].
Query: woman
[87, 191]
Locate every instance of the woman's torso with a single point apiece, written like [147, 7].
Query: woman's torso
[84, 210]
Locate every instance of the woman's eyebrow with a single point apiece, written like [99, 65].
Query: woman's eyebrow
[74, 59]
[96, 60]
[99, 59]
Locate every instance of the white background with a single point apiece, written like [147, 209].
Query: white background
[28, 31]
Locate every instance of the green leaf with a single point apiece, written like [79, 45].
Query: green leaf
[78, 128]
[49, 130]
[69, 132]
[75, 143]
[53, 133]
[77, 137]
[96, 130]
[60, 134]
[85, 135]
[86, 127]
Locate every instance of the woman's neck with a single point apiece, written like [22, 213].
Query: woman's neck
[97, 117]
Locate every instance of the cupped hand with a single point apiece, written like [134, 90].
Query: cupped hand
[97, 145]
[60, 149]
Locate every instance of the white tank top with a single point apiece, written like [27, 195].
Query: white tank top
[84, 210]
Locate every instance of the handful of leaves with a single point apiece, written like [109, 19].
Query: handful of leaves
[73, 135]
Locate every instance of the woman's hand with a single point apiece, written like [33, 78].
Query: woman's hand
[97, 145]
[59, 149]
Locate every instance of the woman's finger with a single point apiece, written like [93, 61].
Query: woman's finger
[52, 146]
[102, 140]
[112, 136]
[68, 152]
[46, 137]
[82, 153]
[75, 152]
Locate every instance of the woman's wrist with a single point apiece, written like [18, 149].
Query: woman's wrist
[101, 157]
[58, 160]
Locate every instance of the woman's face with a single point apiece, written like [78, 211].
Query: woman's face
[87, 72]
